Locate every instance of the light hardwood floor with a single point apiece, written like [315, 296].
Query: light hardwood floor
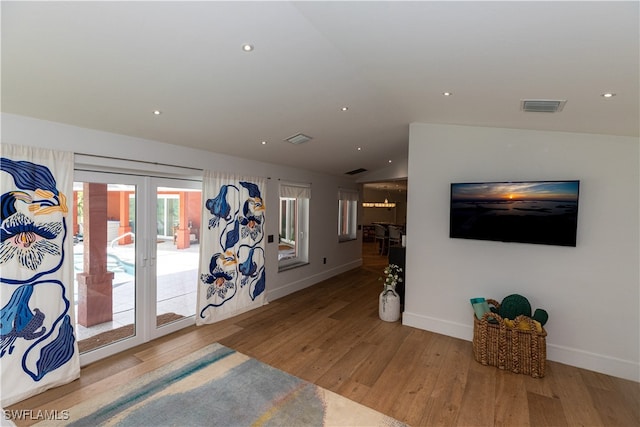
[330, 334]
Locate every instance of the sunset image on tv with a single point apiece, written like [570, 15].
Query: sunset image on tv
[543, 212]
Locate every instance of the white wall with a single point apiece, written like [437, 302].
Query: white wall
[323, 205]
[591, 291]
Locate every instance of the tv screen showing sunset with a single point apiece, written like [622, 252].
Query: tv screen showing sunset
[543, 212]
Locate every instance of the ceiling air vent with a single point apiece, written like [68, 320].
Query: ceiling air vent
[356, 171]
[542, 105]
[298, 138]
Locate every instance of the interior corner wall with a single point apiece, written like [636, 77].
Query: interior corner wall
[591, 291]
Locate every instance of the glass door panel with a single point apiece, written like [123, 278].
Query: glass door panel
[177, 250]
[104, 252]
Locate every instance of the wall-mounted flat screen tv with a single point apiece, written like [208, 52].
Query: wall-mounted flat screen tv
[541, 212]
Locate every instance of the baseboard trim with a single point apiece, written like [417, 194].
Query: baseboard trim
[444, 327]
[594, 362]
[604, 364]
[289, 288]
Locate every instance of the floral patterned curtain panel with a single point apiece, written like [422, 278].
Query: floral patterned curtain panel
[38, 349]
[232, 250]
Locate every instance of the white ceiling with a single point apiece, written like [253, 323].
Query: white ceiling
[108, 65]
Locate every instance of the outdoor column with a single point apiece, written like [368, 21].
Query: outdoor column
[124, 220]
[183, 240]
[95, 283]
[76, 226]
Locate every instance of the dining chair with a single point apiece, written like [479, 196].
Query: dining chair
[382, 236]
[395, 235]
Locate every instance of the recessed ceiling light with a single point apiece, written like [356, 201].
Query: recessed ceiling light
[344, 108]
[247, 47]
[608, 95]
[390, 161]
[157, 112]
[447, 93]
[359, 148]
[264, 142]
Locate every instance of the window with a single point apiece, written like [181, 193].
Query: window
[168, 211]
[347, 214]
[293, 242]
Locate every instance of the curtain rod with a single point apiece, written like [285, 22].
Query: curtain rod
[139, 161]
[294, 183]
[142, 161]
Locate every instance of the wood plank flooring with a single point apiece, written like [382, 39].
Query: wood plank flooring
[330, 334]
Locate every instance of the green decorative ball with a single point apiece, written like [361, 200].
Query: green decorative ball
[515, 305]
[541, 316]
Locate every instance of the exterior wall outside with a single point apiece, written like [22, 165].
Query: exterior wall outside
[591, 291]
[113, 206]
[194, 206]
[340, 257]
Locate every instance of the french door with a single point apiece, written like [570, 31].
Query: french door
[173, 277]
[136, 259]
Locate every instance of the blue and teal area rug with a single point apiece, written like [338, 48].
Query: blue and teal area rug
[217, 386]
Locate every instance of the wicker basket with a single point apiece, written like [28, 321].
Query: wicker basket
[512, 349]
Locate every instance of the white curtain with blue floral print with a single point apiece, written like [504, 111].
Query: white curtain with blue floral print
[38, 349]
[232, 249]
